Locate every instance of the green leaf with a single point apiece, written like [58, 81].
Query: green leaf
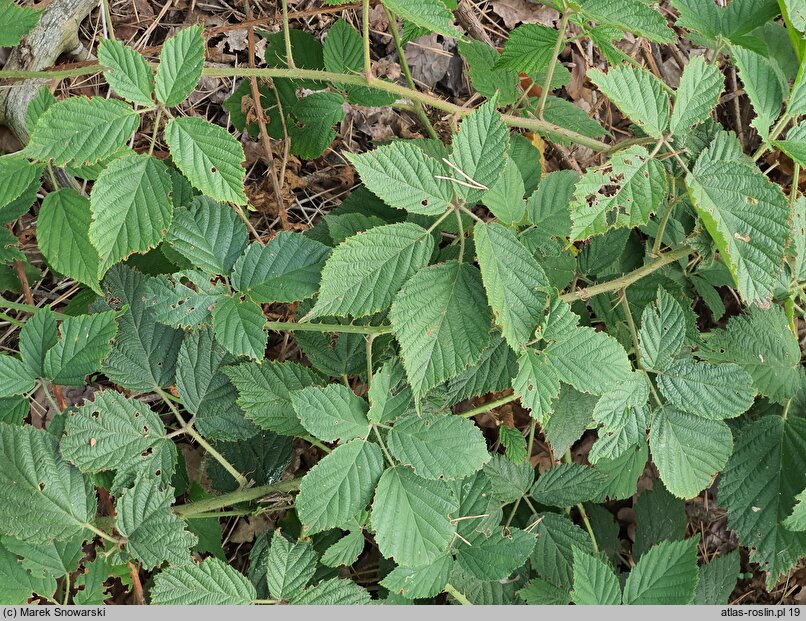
[85, 341]
[209, 235]
[700, 87]
[553, 556]
[795, 144]
[592, 362]
[505, 197]
[688, 450]
[761, 342]
[632, 16]
[311, 121]
[658, 516]
[497, 556]
[78, 130]
[638, 94]
[715, 391]
[539, 592]
[429, 14]
[17, 175]
[510, 481]
[54, 558]
[13, 410]
[333, 592]
[112, 432]
[568, 484]
[238, 326]
[90, 587]
[290, 566]
[662, 333]
[345, 551]
[331, 413]
[262, 458]
[485, 77]
[209, 156]
[758, 488]
[131, 208]
[410, 517]
[443, 447]
[36, 481]
[153, 532]
[536, 383]
[17, 22]
[43, 100]
[144, 353]
[365, 271]
[479, 512]
[211, 583]
[264, 393]
[718, 579]
[514, 444]
[479, 150]
[15, 377]
[797, 519]
[127, 71]
[666, 574]
[764, 86]
[206, 391]
[16, 583]
[404, 176]
[441, 319]
[389, 394]
[747, 216]
[184, 299]
[63, 234]
[419, 582]
[595, 583]
[622, 193]
[287, 269]
[181, 61]
[492, 373]
[529, 49]
[616, 438]
[612, 408]
[516, 284]
[336, 489]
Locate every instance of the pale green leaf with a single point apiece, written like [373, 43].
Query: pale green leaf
[287, 269]
[513, 442]
[795, 144]
[612, 408]
[441, 319]
[419, 582]
[509, 481]
[504, 199]
[238, 326]
[78, 130]
[16, 175]
[17, 584]
[663, 331]
[63, 234]
[497, 556]
[131, 208]
[540, 592]
[758, 488]
[443, 447]
[365, 271]
[17, 22]
[153, 532]
[42, 497]
[485, 77]
[264, 392]
[411, 517]
[516, 284]
[84, 342]
[714, 391]
[700, 87]
[479, 150]
[54, 558]
[181, 61]
[595, 582]
[479, 512]
[127, 71]
[666, 574]
[547, 207]
[15, 377]
[622, 193]
[290, 566]
[37, 336]
[333, 592]
[432, 15]
[389, 394]
[184, 299]
[688, 450]
[209, 156]
[209, 235]
[638, 94]
[553, 556]
[404, 176]
[337, 488]
[529, 48]
[632, 16]
[568, 484]
[747, 216]
[144, 353]
[718, 579]
[492, 373]
[332, 412]
[763, 84]
[345, 551]
[210, 583]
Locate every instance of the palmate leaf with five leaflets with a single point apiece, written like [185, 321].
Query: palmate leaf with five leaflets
[441, 319]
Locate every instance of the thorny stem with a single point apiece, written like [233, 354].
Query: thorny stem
[625, 304]
[234, 498]
[365, 40]
[586, 293]
[189, 430]
[664, 221]
[483, 409]
[439, 220]
[552, 65]
[287, 37]
[341, 78]
[461, 234]
[27, 308]
[457, 595]
[404, 65]
[293, 326]
[383, 446]
[102, 534]
[156, 129]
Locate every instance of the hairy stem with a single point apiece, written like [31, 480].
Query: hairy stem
[457, 595]
[292, 326]
[234, 498]
[483, 409]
